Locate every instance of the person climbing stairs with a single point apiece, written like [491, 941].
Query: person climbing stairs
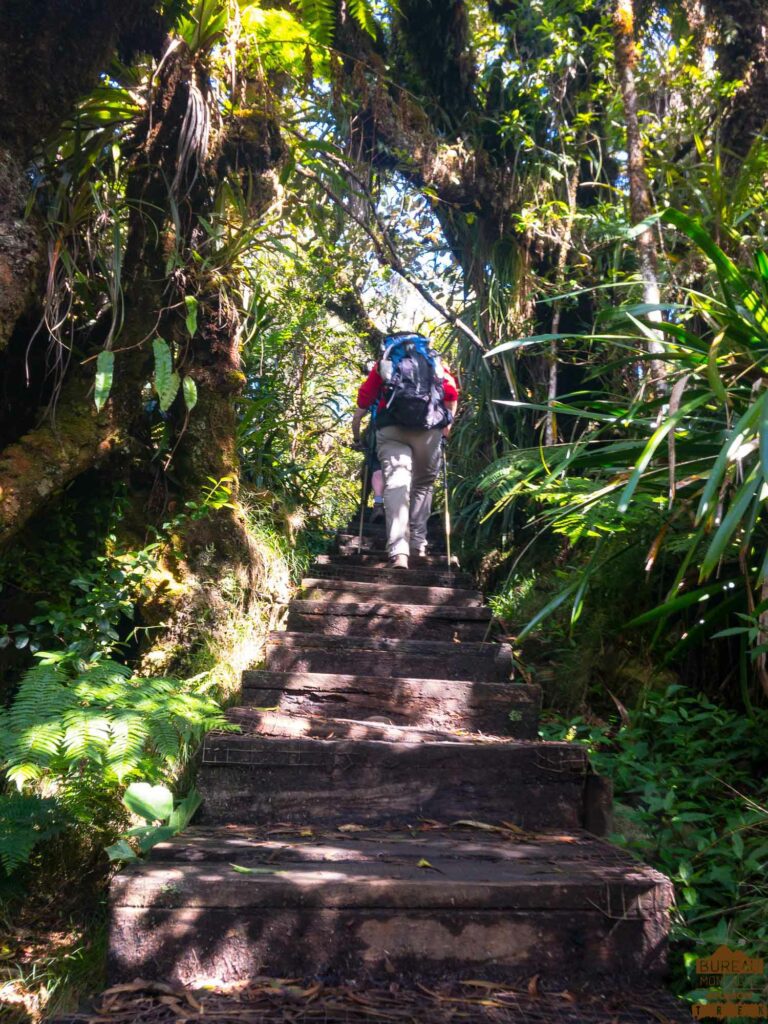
[387, 811]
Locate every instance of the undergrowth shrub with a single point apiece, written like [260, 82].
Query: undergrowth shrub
[77, 730]
[691, 788]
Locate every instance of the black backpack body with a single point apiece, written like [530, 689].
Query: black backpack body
[413, 385]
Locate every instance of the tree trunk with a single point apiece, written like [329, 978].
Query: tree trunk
[43, 462]
[640, 204]
[51, 53]
[550, 430]
[742, 55]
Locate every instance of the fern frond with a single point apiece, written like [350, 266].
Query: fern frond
[319, 18]
[26, 821]
[87, 734]
[360, 11]
[100, 724]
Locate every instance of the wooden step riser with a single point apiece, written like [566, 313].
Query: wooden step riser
[355, 591]
[249, 780]
[384, 625]
[388, 657]
[347, 569]
[379, 559]
[383, 665]
[439, 704]
[192, 945]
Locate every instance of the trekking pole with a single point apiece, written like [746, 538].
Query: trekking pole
[363, 496]
[445, 502]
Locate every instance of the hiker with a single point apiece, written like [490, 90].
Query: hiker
[412, 399]
[366, 442]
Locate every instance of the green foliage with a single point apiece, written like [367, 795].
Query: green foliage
[302, 371]
[684, 471]
[166, 379]
[105, 369]
[204, 25]
[89, 612]
[163, 820]
[82, 724]
[319, 16]
[691, 800]
[189, 391]
[25, 821]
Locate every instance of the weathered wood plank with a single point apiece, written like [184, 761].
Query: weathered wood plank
[247, 780]
[316, 588]
[443, 703]
[426, 659]
[415, 621]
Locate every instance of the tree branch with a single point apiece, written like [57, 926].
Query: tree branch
[387, 253]
[41, 463]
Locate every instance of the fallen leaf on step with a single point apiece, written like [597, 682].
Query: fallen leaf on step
[424, 863]
[468, 823]
[533, 986]
[306, 832]
[351, 828]
[193, 1002]
[252, 871]
[514, 828]
[140, 985]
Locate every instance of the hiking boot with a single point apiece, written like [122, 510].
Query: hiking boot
[399, 561]
[377, 515]
[419, 552]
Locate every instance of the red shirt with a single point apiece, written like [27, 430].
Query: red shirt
[373, 387]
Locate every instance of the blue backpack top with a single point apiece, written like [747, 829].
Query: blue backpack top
[412, 373]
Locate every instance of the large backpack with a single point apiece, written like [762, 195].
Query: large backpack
[413, 383]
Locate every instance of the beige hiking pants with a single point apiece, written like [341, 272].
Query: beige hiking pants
[410, 460]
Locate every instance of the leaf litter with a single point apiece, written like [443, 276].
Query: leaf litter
[291, 1001]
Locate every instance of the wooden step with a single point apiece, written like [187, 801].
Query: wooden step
[345, 590]
[382, 619]
[378, 570]
[261, 722]
[423, 659]
[370, 822]
[447, 902]
[348, 545]
[253, 779]
[426, 703]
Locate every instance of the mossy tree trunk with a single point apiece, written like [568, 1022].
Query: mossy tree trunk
[171, 185]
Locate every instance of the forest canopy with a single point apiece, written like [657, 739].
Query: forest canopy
[211, 214]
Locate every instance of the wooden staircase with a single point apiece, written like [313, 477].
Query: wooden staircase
[387, 812]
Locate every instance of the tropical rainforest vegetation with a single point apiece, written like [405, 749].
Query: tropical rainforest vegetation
[211, 212]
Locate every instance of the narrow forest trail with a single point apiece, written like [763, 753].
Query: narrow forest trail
[391, 822]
